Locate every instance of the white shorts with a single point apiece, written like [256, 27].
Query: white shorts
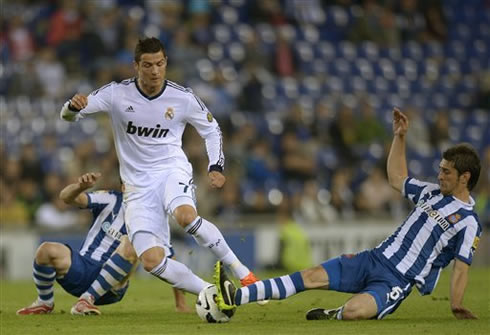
[148, 209]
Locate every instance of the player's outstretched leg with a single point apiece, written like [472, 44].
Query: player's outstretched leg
[276, 288]
[324, 314]
[226, 288]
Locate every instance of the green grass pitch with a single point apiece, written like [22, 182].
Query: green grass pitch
[148, 309]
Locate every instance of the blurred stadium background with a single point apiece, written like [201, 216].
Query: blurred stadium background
[303, 91]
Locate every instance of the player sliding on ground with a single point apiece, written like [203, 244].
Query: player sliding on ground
[442, 227]
[149, 115]
[99, 272]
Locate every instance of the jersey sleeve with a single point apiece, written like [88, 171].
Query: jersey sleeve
[99, 100]
[414, 189]
[97, 201]
[208, 128]
[467, 241]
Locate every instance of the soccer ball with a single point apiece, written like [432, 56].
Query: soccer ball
[207, 309]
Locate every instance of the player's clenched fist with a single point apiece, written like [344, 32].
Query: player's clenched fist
[217, 179]
[88, 180]
[78, 102]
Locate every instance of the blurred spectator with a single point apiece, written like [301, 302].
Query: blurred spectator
[107, 27]
[267, 12]
[200, 21]
[295, 249]
[483, 93]
[342, 195]
[66, 21]
[297, 159]
[12, 211]
[376, 197]
[315, 205]
[410, 20]
[439, 131]
[30, 164]
[417, 138]
[56, 215]
[29, 193]
[376, 24]
[250, 100]
[50, 72]
[229, 209]
[284, 60]
[19, 39]
[183, 56]
[25, 80]
[261, 165]
[49, 155]
[305, 11]
[436, 29]
[323, 118]
[256, 56]
[369, 128]
[343, 135]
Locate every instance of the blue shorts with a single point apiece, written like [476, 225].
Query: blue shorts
[83, 271]
[366, 273]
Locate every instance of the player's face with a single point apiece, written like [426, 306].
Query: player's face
[151, 69]
[449, 181]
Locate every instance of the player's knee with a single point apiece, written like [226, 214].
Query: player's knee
[184, 215]
[357, 311]
[45, 253]
[315, 277]
[152, 258]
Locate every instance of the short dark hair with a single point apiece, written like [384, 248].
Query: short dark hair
[148, 45]
[465, 159]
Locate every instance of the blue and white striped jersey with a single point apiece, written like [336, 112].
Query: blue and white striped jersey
[438, 229]
[107, 227]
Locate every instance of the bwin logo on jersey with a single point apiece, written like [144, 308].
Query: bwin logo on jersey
[156, 132]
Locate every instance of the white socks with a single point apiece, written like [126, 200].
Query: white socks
[207, 235]
[179, 275]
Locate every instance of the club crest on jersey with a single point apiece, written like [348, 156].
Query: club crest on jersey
[454, 218]
[169, 114]
[210, 117]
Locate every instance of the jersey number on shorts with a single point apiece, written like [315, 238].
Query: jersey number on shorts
[395, 294]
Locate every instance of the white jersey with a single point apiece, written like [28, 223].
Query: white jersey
[439, 229]
[148, 130]
[107, 226]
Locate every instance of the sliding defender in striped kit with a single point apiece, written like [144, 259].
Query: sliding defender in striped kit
[442, 227]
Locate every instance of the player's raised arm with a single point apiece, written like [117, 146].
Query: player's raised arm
[97, 101]
[72, 107]
[459, 279]
[397, 161]
[73, 194]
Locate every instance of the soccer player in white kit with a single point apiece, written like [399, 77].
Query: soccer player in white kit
[149, 114]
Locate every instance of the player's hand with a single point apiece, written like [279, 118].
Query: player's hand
[400, 122]
[462, 313]
[217, 179]
[78, 102]
[88, 180]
